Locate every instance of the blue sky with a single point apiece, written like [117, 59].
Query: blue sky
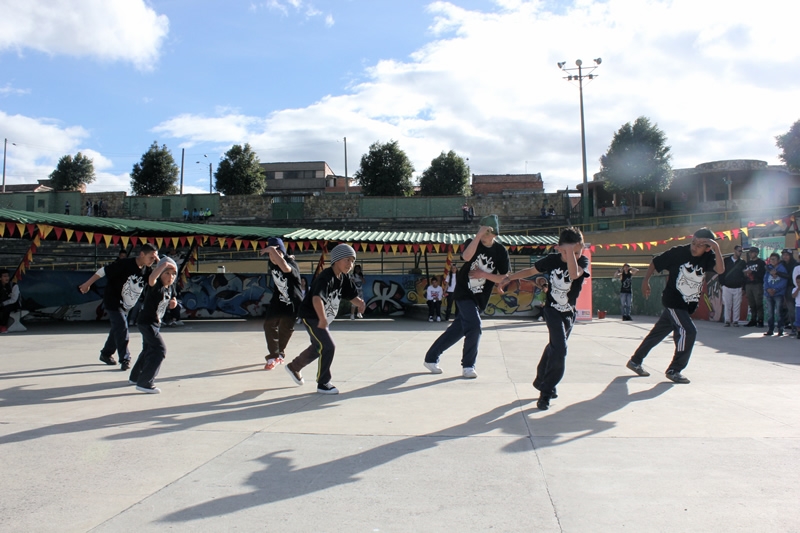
[293, 77]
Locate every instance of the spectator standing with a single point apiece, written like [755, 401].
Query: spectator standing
[126, 279]
[471, 213]
[465, 212]
[285, 304]
[732, 281]
[9, 299]
[796, 295]
[449, 289]
[687, 266]
[185, 214]
[485, 264]
[88, 208]
[66, 207]
[358, 281]
[775, 282]
[551, 212]
[433, 295]
[787, 259]
[625, 275]
[754, 270]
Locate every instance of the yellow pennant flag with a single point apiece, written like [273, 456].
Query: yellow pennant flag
[159, 242]
[174, 241]
[394, 249]
[314, 245]
[21, 229]
[728, 234]
[436, 247]
[190, 238]
[37, 240]
[44, 230]
[641, 246]
[2, 229]
[89, 237]
[744, 230]
[69, 233]
[125, 241]
[221, 243]
[238, 243]
[107, 238]
[254, 244]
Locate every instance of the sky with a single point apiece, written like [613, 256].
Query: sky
[294, 78]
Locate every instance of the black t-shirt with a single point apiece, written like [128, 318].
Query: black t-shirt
[754, 272]
[686, 274]
[563, 292]
[626, 282]
[331, 290]
[286, 294]
[156, 302]
[124, 283]
[492, 259]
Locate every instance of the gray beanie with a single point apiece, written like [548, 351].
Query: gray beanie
[340, 251]
[169, 262]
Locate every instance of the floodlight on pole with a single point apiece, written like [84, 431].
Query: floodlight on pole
[579, 78]
[5, 149]
[209, 173]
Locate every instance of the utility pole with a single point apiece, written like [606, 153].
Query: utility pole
[183, 153]
[345, 166]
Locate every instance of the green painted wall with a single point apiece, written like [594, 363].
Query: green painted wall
[605, 296]
[396, 207]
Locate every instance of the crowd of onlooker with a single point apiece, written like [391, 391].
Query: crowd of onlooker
[195, 215]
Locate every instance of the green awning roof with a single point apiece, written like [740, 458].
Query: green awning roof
[148, 228]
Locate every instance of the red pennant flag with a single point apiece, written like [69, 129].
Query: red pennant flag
[182, 240]
[415, 248]
[31, 229]
[97, 238]
[134, 240]
[115, 239]
[735, 233]
[246, 244]
[10, 228]
[58, 231]
[229, 242]
[592, 248]
[78, 236]
[261, 244]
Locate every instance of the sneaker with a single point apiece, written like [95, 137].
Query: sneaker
[148, 390]
[125, 364]
[750, 324]
[108, 359]
[469, 372]
[677, 377]
[727, 324]
[297, 377]
[359, 315]
[327, 388]
[131, 382]
[768, 333]
[637, 368]
[271, 363]
[759, 324]
[736, 324]
[352, 317]
[177, 323]
[779, 334]
[433, 367]
[543, 403]
[430, 319]
[438, 319]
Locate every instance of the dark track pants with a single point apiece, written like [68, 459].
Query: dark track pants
[117, 340]
[467, 324]
[322, 348]
[684, 332]
[278, 330]
[553, 362]
[154, 351]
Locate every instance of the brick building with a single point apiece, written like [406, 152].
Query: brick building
[514, 184]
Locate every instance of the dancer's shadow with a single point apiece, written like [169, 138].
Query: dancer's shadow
[280, 480]
[585, 419]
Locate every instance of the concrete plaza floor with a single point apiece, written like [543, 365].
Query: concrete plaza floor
[228, 446]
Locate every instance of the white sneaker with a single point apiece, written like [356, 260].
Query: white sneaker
[352, 317]
[433, 367]
[154, 390]
[469, 372]
[430, 319]
[177, 323]
[327, 388]
[359, 315]
[438, 319]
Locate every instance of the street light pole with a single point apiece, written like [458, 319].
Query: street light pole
[209, 174]
[579, 78]
[5, 148]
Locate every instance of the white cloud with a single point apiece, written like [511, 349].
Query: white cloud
[110, 30]
[719, 82]
[287, 7]
[8, 90]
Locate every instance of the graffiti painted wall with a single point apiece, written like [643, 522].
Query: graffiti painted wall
[54, 294]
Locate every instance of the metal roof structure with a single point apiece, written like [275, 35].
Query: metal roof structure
[147, 228]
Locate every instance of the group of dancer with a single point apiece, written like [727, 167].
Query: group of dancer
[486, 266]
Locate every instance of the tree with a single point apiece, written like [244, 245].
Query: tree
[789, 143]
[72, 174]
[240, 172]
[447, 175]
[637, 160]
[385, 171]
[156, 174]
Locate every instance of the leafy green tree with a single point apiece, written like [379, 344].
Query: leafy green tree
[789, 143]
[638, 159]
[240, 172]
[385, 171]
[447, 175]
[71, 174]
[156, 174]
